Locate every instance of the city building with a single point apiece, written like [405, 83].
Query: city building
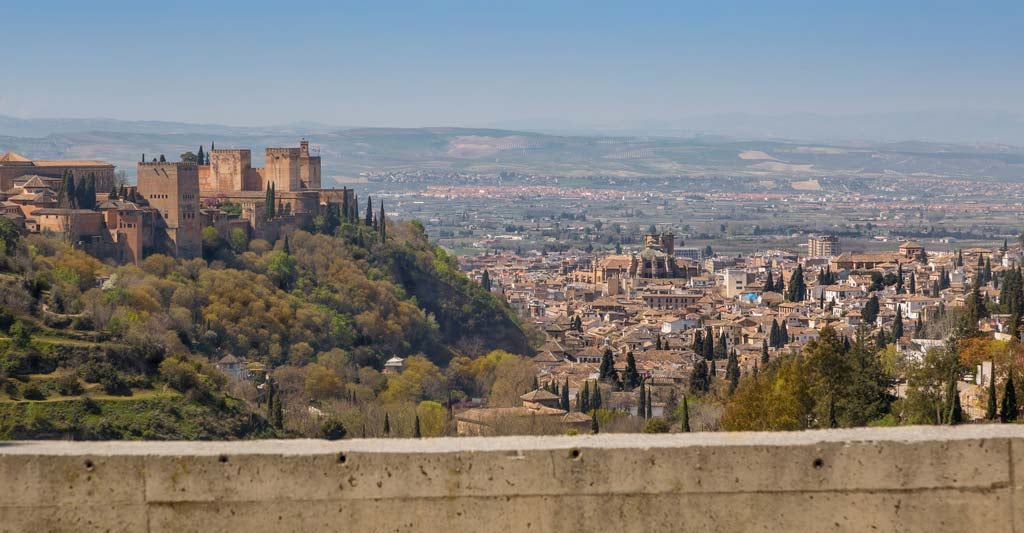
[14, 166]
[823, 246]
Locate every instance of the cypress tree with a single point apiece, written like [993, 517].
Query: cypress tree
[990, 412]
[594, 427]
[607, 371]
[698, 342]
[783, 334]
[657, 345]
[899, 278]
[897, 324]
[369, 211]
[416, 428]
[631, 377]
[1008, 410]
[951, 401]
[585, 397]
[485, 281]
[732, 371]
[764, 352]
[278, 413]
[712, 373]
[913, 283]
[564, 400]
[773, 335]
[641, 409]
[797, 286]
[595, 398]
[870, 311]
[780, 285]
[709, 345]
[769, 284]
[686, 416]
[200, 156]
[387, 425]
[722, 346]
[699, 381]
[650, 406]
[382, 224]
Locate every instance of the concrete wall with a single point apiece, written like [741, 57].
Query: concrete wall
[906, 479]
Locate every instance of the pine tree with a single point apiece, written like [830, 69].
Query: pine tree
[686, 416]
[416, 428]
[990, 412]
[1008, 410]
[387, 424]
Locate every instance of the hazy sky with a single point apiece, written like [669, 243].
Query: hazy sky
[478, 63]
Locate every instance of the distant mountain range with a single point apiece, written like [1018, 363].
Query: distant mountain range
[619, 152]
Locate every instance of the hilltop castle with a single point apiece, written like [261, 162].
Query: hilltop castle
[172, 202]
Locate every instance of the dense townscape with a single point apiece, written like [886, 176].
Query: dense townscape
[212, 298]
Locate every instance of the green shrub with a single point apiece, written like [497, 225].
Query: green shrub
[333, 429]
[31, 391]
[656, 425]
[68, 385]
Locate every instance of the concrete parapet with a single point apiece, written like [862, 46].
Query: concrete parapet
[900, 479]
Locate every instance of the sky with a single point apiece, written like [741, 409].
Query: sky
[435, 63]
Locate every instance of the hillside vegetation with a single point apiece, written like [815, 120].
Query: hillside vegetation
[96, 351]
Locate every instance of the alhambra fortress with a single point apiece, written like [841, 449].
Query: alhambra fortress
[171, 202]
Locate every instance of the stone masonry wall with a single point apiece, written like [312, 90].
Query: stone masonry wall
[903, 479]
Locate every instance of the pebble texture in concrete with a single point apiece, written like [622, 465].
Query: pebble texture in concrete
[899, 479]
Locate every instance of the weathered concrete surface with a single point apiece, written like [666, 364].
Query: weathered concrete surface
[903, 479]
